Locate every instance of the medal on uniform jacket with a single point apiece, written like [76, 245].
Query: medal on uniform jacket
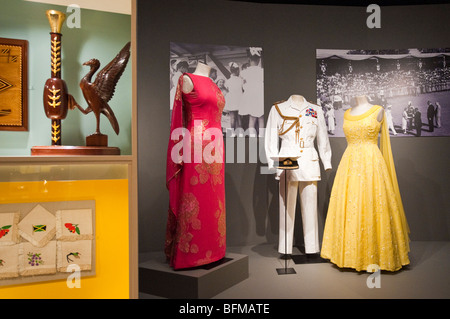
[311, 112]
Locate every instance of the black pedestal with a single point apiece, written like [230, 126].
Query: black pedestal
[157, 278]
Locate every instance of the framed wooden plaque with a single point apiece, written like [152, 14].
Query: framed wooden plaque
[13, 85]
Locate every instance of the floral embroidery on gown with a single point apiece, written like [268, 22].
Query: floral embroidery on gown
[366, 223]
[196, 232]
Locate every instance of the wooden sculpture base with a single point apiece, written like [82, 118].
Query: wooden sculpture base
[73, 150]
[97, 139]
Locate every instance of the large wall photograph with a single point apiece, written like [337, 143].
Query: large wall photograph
[238, 72]
[413, 86]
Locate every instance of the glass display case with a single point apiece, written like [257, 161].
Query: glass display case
[105, 181]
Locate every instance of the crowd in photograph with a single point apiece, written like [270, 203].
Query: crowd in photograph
[390, 84]
[335, 92]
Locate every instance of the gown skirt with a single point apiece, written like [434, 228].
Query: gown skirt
[366, 223]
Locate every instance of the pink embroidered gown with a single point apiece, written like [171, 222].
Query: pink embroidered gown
[196, 229]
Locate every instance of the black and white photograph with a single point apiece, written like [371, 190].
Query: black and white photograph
[412, 85]
[238, 72]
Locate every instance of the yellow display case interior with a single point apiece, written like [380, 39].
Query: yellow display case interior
[112, 236]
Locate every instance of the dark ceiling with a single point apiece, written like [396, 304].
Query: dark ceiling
[363, 3]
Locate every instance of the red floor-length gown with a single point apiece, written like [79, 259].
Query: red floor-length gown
[196, 231]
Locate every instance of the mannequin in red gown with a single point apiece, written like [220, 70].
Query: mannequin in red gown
[196, 231]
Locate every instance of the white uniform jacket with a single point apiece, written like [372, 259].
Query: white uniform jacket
[299, 139]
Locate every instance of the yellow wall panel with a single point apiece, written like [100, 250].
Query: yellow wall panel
[111, 221]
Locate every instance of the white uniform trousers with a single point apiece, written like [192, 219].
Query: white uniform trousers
[308, 205]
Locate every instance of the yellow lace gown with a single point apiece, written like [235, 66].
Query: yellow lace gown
[366, 223]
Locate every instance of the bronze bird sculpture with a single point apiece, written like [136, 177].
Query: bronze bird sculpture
[98, 93]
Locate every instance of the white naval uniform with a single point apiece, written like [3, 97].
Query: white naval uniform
[298, 141]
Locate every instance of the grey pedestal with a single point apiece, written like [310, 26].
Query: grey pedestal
[157, 278]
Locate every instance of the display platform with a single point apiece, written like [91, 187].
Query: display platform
[156, 277]
[73, 150]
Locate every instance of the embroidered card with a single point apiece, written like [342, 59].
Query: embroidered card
[37, 260]
[74, 224]
[40, 240]
[9, 261]
[74, 252]
[9, 231]
[38, 227]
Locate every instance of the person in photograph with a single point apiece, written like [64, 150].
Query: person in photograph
[222, 86]
[331, 119]
[253, 98]
[213, 74]
[438, 114]
[405, 119]
[182, 67]
[173, 69]
[389, 120]
[337, 101]
[382, 101]
[410, 112]
[224, 89]
[418, 122]
[234, 97]
[430, 116]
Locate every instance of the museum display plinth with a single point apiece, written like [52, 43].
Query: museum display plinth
[74, 150]
[157, 278]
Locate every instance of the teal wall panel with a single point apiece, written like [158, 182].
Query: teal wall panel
[101, 35]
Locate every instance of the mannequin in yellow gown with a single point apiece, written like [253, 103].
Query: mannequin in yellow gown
[366, 223]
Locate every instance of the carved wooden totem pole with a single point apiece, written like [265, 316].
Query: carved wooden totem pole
[56, 95]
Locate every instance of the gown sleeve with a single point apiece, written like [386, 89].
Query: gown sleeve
[385, 147]
[174, 158]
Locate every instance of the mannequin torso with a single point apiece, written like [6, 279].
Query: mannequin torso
[202, 70]
[362, 105]
[297, 100]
